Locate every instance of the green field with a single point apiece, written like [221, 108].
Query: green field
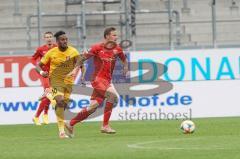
[215, 138]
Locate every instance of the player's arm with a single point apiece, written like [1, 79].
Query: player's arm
[84, 56]
[35, 57]
[79, 62]
[40, 71]
[45, 59]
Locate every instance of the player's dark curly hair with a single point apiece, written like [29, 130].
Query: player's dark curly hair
[59, 33]
[107, 31]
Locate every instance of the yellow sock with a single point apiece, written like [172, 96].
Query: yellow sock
[60, 118]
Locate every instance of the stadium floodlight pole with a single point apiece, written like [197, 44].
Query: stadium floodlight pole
[170, 17]
[39, 3]
[214, 27]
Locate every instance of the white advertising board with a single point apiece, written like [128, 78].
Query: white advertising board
[205, 84]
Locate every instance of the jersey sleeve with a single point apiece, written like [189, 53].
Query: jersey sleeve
[75, 52]
[76, 55]
[46, 58]
[35, 57]
[91, 52]
[121, 55]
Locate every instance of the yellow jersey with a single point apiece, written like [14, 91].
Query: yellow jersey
[61, 63]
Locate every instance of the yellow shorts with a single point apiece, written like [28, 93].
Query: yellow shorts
[64, 91]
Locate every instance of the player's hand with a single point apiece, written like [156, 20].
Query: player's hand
[44, 74]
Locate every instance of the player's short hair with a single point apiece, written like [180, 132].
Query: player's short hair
[59, 33]
[48, 32]
[107, 31]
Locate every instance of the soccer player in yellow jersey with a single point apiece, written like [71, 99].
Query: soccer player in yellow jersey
[62, 60]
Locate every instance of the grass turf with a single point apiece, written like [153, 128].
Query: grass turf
[215, 138]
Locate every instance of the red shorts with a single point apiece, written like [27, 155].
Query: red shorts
[100, 87]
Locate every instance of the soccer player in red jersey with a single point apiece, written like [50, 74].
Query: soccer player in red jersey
[104, 63]
[40, 52]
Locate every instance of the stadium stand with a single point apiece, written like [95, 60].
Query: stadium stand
[194, 28]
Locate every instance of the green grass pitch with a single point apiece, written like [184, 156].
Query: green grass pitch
[214, 138]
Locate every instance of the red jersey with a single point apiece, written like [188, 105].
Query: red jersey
[104, 60]
[40, 52]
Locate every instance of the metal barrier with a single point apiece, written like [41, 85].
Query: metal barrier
[215, 31]
[81, 22]
[80, 2]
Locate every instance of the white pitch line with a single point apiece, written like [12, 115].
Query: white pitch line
[144, 145]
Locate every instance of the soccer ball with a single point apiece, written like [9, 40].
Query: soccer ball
[187, 127]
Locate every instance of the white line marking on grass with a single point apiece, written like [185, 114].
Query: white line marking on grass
[147, 145]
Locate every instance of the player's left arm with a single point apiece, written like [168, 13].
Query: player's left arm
[80, 60]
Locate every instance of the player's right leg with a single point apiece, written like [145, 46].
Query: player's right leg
[111, 101]
[58, 94]
[97, 98]
[59, 110]
[82, 115]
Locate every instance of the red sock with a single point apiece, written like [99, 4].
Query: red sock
[107, 113]
[42, 105]
[46, 108]
[83, 114]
